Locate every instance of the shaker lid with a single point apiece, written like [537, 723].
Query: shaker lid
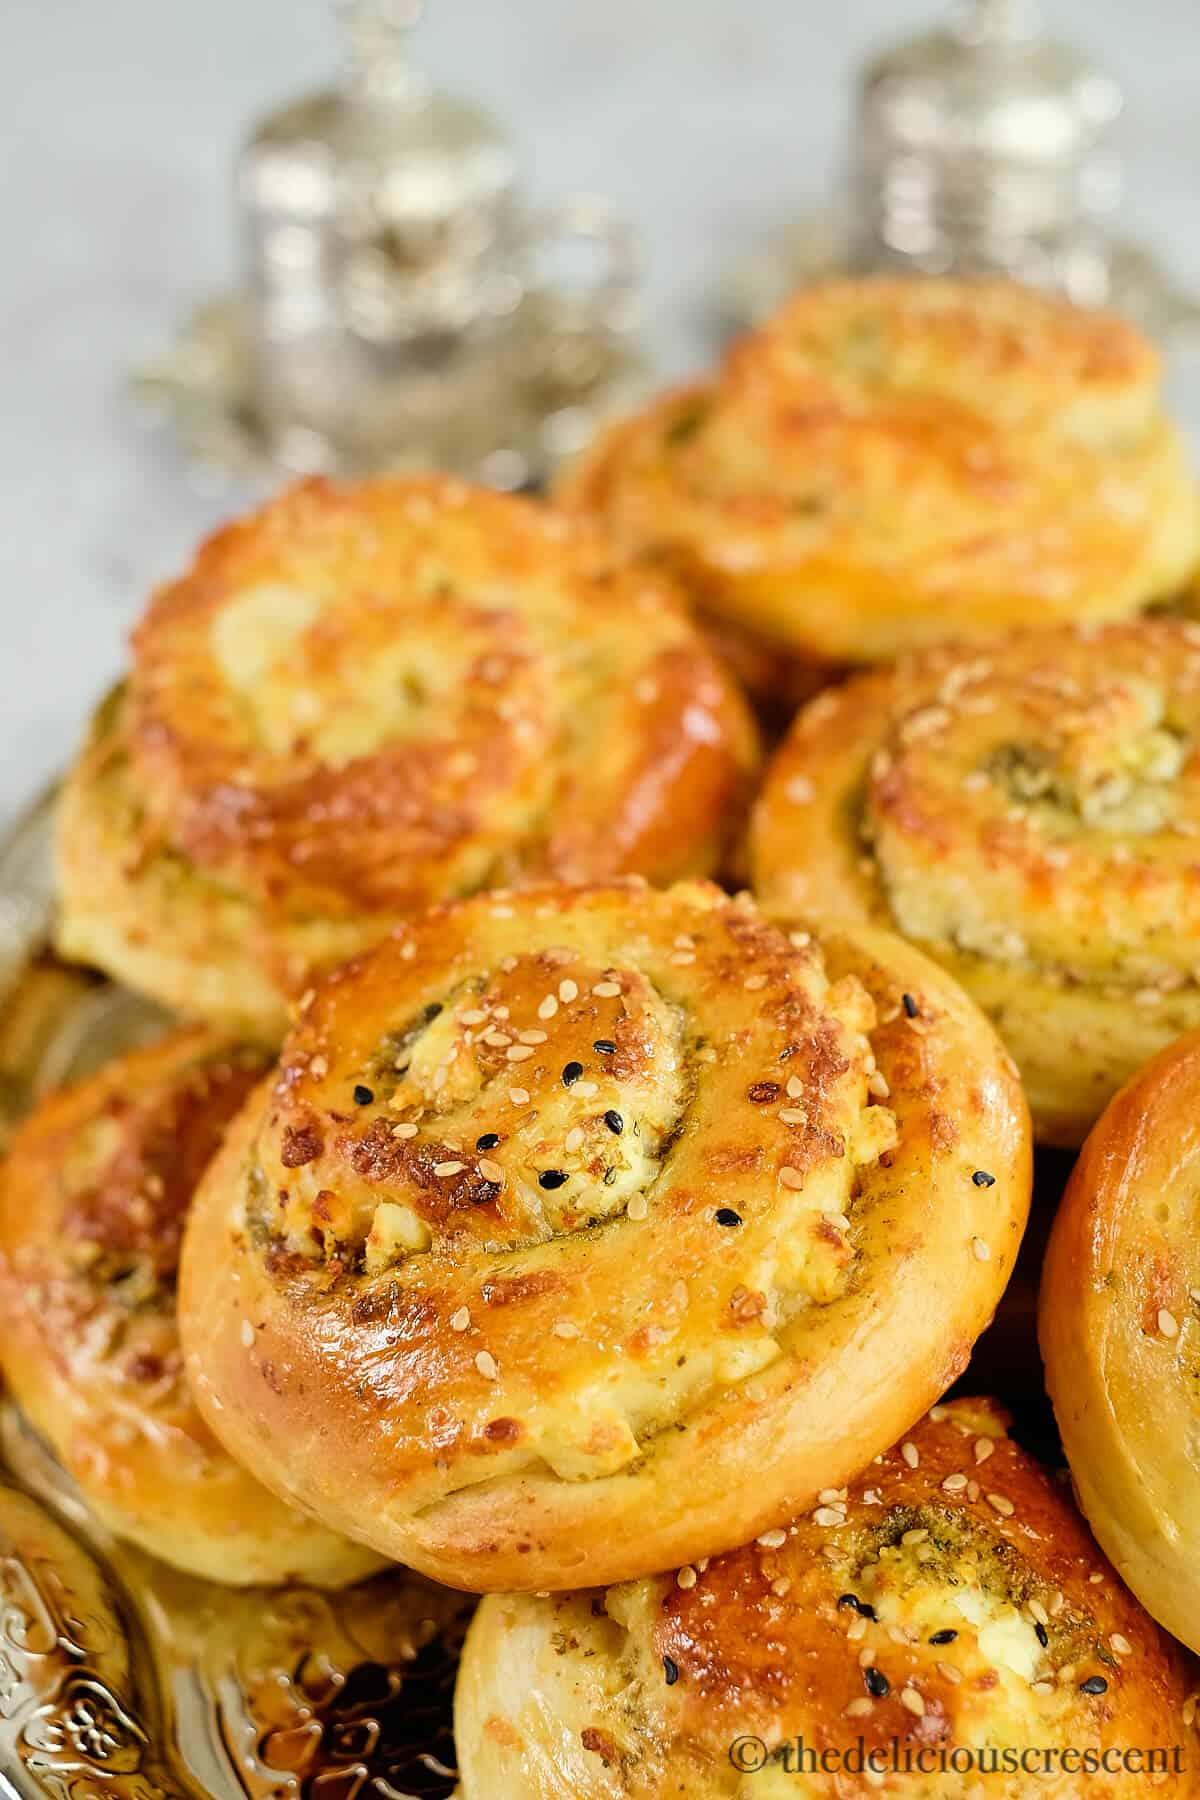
[990, 82]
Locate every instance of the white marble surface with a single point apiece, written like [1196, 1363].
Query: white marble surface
[710, 121]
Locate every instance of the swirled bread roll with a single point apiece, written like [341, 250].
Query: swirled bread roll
[583, 1229]
[368, 698]
[1028, 813]
[949, 1608]
[93, 1196]
[888, 462]
[1119, 1326]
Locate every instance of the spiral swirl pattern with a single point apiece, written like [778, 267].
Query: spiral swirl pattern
[365, 699]
[94, 1193]
[568, 1208]
[887, 460]
[948, 1603]
[1027, 813]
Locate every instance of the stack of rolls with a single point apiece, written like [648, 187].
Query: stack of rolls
[524, 1208]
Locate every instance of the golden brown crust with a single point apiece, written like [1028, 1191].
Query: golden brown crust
[1119, 1324]
[886, 461]
[93, 1197]
[950, 1599]
[583, 1229]
[364, 699]
[1029, 815]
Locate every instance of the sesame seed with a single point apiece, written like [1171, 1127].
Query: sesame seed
[916, 1536]
[1057, 1601]
[982, 1252]
[565, 1329]
[497, 1040]
[954, 1484]
[552, 1178]
[910, 1698]
[604, 1047]
[571, 1073]
[795, 1087]
[574, 1138]
[587, 1090]
[604, 990]
[1168, 1324]
[474, 1017]
[247, 1333]
[831, 1496]
[791, 1115]
[307, 998]
[460, 1320]
[404, 1130]
[1000, 1504]
[790, 1178]
[863, 1608]
[877, 1085]
[1037, 1611]
[637, 1207]
[548, 1008]
[981, 1178]
[1120, 1644]
[771, 1540]
[488, 1141]
[318, 1068]
[984, 1448]
[725, 1215]
[973, 1491]
[681, 959]
[911, 1454]
[858, 1709]
[685, 1577]
[949, 1673]
[670, 1670]
[519, 1096]
[829, 1516]
[910, 1006]
[1095, 1684]
[531, 1037]
[486, 1363]
[519, 1052]
[363, 1095]
[1042, 1687]
[449, 1168]
[568, 990]
[781, 1585]
[944, 1637]
[491, 1171]
[615, 1122]
[754, 982]
[877, 1682]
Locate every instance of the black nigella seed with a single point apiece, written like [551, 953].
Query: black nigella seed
[981, 1178]
[877, 1683]
[488, 1141]
[911, 1009]
[943, 1637]
[571, 1073]
[551, 1178]
[1095, 1684]
[863, 1608]
[363, 1096]
[604, 1047]
[1043, 1636]
[615, 1122]
[726, 1216]
[670, 1670]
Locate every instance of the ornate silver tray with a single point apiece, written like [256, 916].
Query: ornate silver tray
[121, 1679]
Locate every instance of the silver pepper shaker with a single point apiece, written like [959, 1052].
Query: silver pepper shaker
[982, 145]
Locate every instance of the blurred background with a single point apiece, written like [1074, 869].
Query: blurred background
[709, 123]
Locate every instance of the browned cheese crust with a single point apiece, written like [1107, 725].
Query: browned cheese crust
[93, 1198]
[364, 699]
[950, 1598]
[581, 1231]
